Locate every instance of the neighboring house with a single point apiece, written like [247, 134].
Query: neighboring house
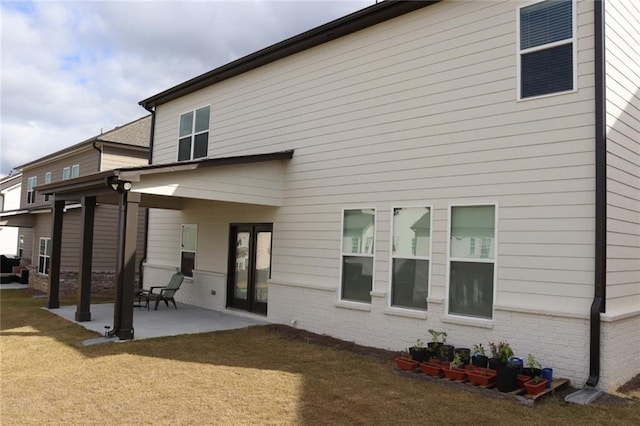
[11, 241]
[123, 146]
[485, 155]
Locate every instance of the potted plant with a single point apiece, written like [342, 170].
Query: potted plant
[419, 352]
[439, 345]
[404, 362]
[507, 374]
[535, 385]
[532, 367]
[437, 338]
[479, 356]
[500, 354]
[464, 353]
[454, 370]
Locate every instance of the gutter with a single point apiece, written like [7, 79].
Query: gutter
[600, 281]
[143, 259]
[99, 154]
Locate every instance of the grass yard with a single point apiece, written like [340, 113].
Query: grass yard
[249, 376]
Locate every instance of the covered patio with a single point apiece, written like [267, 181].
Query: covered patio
[187, 319]
[252, 179]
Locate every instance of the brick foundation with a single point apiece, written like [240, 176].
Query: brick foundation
[102, 283]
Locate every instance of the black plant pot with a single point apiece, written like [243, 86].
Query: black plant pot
[434, 346]
[464, 353]
[420, 354]
[480, 361]
[531, 372]
[496, 363]
[507, 379]
[446, 352]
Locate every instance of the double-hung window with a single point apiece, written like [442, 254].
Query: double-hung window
[32, 182]
[410, 252]
[188, 244]
[193, 141]
[472, 245]
[71, 172]
[44, 256]
[358, 234]
[47, 179]
[546, 48]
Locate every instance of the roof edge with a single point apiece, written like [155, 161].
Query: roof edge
[335, 29]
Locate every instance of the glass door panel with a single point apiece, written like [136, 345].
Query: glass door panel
[241, 276]
[249, 267]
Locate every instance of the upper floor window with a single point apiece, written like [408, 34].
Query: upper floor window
[193, 141]
[546, 43]
[71, 172]
[358, 232]
[410, 257]
[32, 182]
[47, 179]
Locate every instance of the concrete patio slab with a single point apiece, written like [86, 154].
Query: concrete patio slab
[187, 319]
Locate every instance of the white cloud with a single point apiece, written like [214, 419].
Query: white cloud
[71, 68]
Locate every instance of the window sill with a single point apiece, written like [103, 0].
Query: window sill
[407, 313]
[356, 306]
[471, 322]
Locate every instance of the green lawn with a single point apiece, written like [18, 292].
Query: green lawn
[249, 376]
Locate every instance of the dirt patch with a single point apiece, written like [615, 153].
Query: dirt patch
[631, 389]
[629, 393]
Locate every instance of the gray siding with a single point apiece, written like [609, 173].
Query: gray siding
[623, 133]
[87, 158]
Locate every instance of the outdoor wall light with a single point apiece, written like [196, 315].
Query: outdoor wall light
[120, 186]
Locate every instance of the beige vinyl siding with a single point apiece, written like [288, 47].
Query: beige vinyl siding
[87, 159]
[623, 157]
[113, 158]
[213, 220]
[256, 183]
[419, 109]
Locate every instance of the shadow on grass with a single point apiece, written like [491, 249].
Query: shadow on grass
[337, 386]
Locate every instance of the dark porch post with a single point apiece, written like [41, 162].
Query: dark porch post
[126, 265]
[56, 247]
[83, 312]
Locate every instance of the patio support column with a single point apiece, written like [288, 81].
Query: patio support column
[83, 310]
[56, 247]
[126, 265]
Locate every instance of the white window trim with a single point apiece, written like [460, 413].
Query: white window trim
[391, 256]
[66, 171]
[47, 179]
[478, 260]
[181, 250]
[73, 169]
[30, 189]
[45, 255]
[193, 134]
[520, 52]
[342, 254]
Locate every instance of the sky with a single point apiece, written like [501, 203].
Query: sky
[70, 70]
